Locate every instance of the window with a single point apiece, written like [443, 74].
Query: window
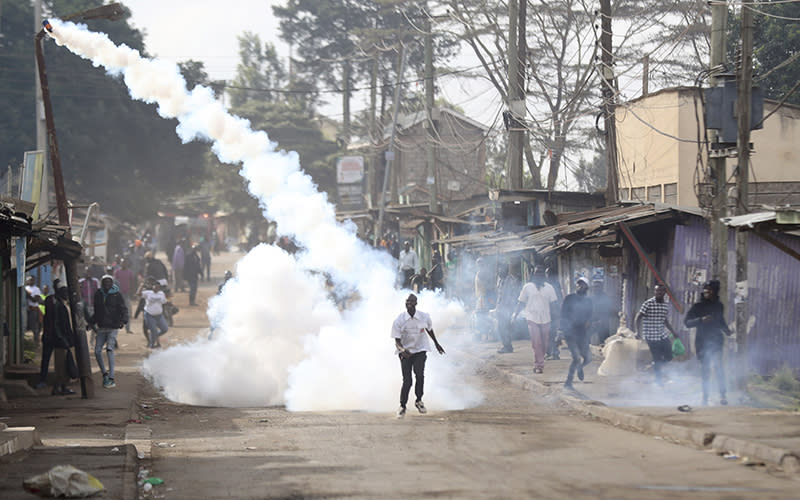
[671, 193]
[654, 193]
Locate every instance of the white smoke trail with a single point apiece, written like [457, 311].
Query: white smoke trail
[278, 338]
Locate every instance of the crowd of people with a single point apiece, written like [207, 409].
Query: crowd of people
[112, 295]
[497, 298]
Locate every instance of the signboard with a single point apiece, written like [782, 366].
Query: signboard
[350, 182]
[351, 197]
[31, 185]
[350, 169]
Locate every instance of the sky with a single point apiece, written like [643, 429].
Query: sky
[178, 30]
[204, 30]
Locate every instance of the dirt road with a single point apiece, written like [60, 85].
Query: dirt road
[512, 446]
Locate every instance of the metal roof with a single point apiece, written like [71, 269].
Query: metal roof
[749, 220]
[591, 227]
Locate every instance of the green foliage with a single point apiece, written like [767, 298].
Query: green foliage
[294, 129]
[775, 53]
[592, 175]
[259, 72]
[337, 44]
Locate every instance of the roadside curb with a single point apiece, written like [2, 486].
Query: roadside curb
[701, 438]
[14, 439]
[137, 434]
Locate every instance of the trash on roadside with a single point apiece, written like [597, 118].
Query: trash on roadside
[685, 408]
[63, 481]
[155, 481]
[147, 487]
[165, 445]
[263, 421]
[250, 448]
[133, 421]
[115, 449]
[730, 456]
[621, 353]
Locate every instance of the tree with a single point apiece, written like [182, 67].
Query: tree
[294, 129]
[562, 55]
[776, 37]
[340, 43]
[323, 33]
[259, 74]
[592, 175]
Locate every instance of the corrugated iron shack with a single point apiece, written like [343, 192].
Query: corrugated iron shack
[773, 287]
[632, 247]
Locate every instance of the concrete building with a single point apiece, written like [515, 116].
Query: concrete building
[460, 152]
[662, 156]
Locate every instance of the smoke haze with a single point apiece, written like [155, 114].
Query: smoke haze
[278, 338]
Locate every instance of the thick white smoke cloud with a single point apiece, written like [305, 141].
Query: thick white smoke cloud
[278, 338]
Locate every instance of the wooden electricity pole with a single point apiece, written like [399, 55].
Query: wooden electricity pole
[719, 202]
[430, 123]
[609, 101]
[743, 111]
[517, 57]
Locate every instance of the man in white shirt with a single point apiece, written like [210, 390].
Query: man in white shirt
[34, 314]
[154, 300]
[408, 263]
[536, 297]
[410, 331]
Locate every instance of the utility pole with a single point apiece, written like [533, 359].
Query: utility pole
[645, 75]
[430, 124]
[609, 101]
[743, 111]
[41, 130]
[345, 136]
[111, 11]
[719, 202]
[374, 134]
[391, 152]
[70, 265]
[517, 57]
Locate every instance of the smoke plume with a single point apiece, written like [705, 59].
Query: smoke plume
[277, 336]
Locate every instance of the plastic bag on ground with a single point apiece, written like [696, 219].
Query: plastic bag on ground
[621, 354]
[63, 481]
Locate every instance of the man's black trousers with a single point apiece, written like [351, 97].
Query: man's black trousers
[415, 362]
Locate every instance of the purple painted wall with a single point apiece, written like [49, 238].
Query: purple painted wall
[774, 305]
[774, 288]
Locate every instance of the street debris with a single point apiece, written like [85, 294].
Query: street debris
[155, 481]
[133, 421]
[63, 481]
[115, 449]
[730, 456]
[165, 445]
[685, 408]
[250, 448]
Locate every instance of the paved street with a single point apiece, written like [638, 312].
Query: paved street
[512, 446]
[517, 444]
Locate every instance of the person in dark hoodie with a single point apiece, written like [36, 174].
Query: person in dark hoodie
[576, 315]
[63, 339]
[110, 314]
[708, 316]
